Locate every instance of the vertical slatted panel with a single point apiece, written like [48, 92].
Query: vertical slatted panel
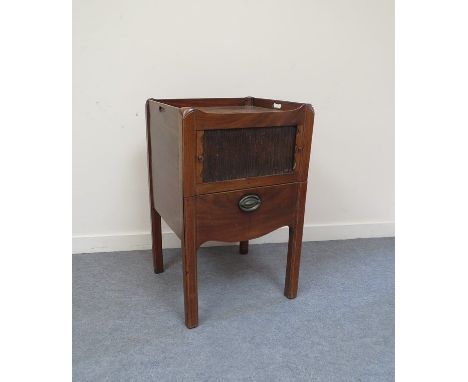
[249, 152]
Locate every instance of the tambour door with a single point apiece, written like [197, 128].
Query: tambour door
[236, 151]
[230, 154]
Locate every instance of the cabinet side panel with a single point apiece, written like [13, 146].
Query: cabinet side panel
[165, 129]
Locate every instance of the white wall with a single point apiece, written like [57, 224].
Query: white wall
[336, 54]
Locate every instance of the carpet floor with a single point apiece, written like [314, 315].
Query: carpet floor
[128, 322]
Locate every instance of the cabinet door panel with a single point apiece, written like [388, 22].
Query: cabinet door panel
[247, 152]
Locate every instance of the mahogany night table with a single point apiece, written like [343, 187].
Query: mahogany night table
[227, 169]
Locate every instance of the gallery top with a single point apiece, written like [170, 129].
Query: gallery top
[248, 105]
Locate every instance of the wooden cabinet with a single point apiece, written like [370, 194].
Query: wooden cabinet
[227, 169]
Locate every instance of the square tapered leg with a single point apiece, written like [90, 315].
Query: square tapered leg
[156, 237]
[244, 247]
[292, 267]
[294, 246]
[189, 262]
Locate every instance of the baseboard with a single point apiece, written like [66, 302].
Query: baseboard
[139, 241]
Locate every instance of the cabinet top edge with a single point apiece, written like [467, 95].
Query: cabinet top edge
[223, 105]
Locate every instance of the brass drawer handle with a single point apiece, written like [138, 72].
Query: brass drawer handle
[250, 203]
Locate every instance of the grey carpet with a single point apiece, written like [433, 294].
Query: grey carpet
[128, 322]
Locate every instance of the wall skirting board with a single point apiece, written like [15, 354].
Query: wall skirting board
[141, 241]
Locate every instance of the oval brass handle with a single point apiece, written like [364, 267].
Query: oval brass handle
[250, 203]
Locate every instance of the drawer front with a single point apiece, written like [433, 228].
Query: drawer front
[246, 214]
[245, 153]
